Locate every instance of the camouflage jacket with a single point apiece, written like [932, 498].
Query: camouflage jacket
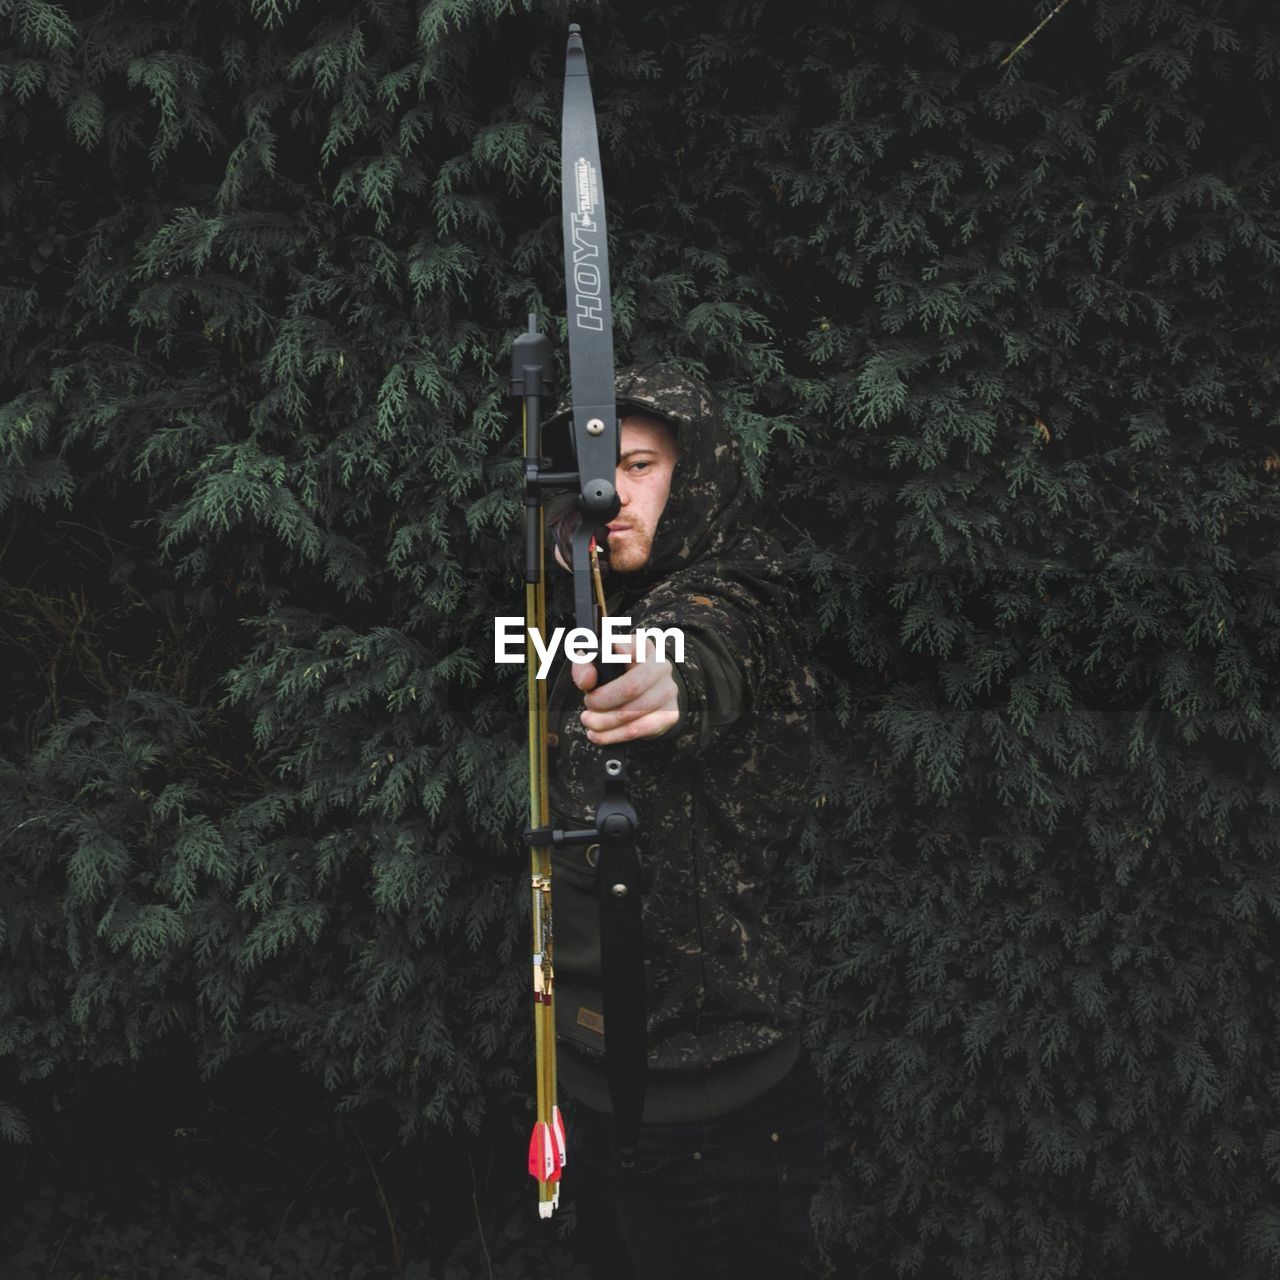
[718, 798]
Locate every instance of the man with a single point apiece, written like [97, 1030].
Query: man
[732, 1132]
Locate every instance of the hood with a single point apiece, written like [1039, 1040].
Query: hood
[709, 492]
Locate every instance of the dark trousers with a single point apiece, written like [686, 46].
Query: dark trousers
[723, 1198]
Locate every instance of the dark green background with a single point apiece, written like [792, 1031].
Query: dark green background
[1000, 339]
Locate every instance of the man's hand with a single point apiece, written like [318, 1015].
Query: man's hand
[643, 702]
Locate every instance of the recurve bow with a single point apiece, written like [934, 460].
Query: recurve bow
[595, 438]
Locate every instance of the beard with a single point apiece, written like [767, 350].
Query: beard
[629, 553]
[628, 550]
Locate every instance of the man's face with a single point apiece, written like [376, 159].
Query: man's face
[648, 458]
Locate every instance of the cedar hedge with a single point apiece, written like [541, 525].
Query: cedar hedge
[998, 333]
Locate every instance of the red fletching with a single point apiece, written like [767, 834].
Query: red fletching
[557, 1132]
[542, 1154]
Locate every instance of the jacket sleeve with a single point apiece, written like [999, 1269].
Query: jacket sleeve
[723, 661]
[713, 690]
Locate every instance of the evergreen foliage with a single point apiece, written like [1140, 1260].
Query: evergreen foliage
[1000, 340]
